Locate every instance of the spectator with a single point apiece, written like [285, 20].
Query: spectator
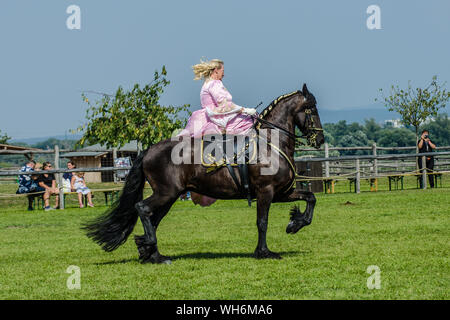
[35, 177]
[80, 187]
[426, 145]
[27, 183]
[48, 182]
[67, 178]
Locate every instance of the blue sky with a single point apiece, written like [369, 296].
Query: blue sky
[269, 48]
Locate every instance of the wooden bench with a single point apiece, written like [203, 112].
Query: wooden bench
[372, 181]
[36, 199]
[328, 185]
[395, 179]
[436, 176]
[110, 195]
[32, 200]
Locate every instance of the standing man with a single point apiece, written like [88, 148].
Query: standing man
[426, 145]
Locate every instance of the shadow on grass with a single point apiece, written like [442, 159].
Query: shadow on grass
[210, 256]
[221, 255]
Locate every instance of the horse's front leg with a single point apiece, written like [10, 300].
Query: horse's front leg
[299, 219]
[264, 200]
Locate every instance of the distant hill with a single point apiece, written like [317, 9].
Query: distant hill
[32, 141]
[357, 114]
[378, 112]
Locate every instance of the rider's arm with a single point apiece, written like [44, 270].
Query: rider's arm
[223, 99]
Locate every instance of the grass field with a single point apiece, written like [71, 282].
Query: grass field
[404, 233]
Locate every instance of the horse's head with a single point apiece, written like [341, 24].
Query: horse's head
[307, 119]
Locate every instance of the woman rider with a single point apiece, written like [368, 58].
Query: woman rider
[218, 114]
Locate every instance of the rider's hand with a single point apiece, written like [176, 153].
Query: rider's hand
[249, 111]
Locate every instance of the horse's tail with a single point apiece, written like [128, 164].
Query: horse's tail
[111, 229]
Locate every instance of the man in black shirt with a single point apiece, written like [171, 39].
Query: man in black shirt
[426, 145]
[48, 182]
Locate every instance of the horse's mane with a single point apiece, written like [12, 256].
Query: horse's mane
[273, 104]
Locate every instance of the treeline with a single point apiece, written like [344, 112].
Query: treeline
[341, 134]
[18, 160]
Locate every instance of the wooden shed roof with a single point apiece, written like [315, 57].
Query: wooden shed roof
[17, 148]
[131, 146]
[76, 154]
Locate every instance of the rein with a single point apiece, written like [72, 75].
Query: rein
[274, 126]
[309, 121]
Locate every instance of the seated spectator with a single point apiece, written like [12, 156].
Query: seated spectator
[35, 177]
[80, 187]
[67, 178]
[27, 183]
[48, 182]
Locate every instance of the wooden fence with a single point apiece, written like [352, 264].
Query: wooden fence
[373, 163]
[358, 167]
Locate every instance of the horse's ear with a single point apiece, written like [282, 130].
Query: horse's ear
[305, 91]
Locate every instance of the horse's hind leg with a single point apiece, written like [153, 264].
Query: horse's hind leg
[151, 211]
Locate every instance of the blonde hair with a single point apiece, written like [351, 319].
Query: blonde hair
[204, 69]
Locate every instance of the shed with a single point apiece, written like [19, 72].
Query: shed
[309, 169]
[87, 159]
[99, 156]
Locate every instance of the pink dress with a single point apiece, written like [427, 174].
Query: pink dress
[218, 115]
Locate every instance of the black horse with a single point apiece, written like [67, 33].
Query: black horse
[169, 181]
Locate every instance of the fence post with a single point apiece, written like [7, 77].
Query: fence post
[114, 155]
[59, 179]
[327, 164]
[375, 163]
[424, 173]
[358, 178]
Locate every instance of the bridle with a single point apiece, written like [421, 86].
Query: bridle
[310, 124]
[311, 136]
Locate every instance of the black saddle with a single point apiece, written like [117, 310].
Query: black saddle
[231, 151]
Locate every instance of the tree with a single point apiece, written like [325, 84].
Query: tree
[52, 142]
[416, 105]
[354, 139]
[133, 115]
[4, 138]
[396, 137]
[372, 129]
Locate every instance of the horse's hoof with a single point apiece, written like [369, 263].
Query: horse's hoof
[266, 254]
[157, 260]
[294, 226]
[162, 260]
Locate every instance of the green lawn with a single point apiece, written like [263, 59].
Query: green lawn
[404, 233]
